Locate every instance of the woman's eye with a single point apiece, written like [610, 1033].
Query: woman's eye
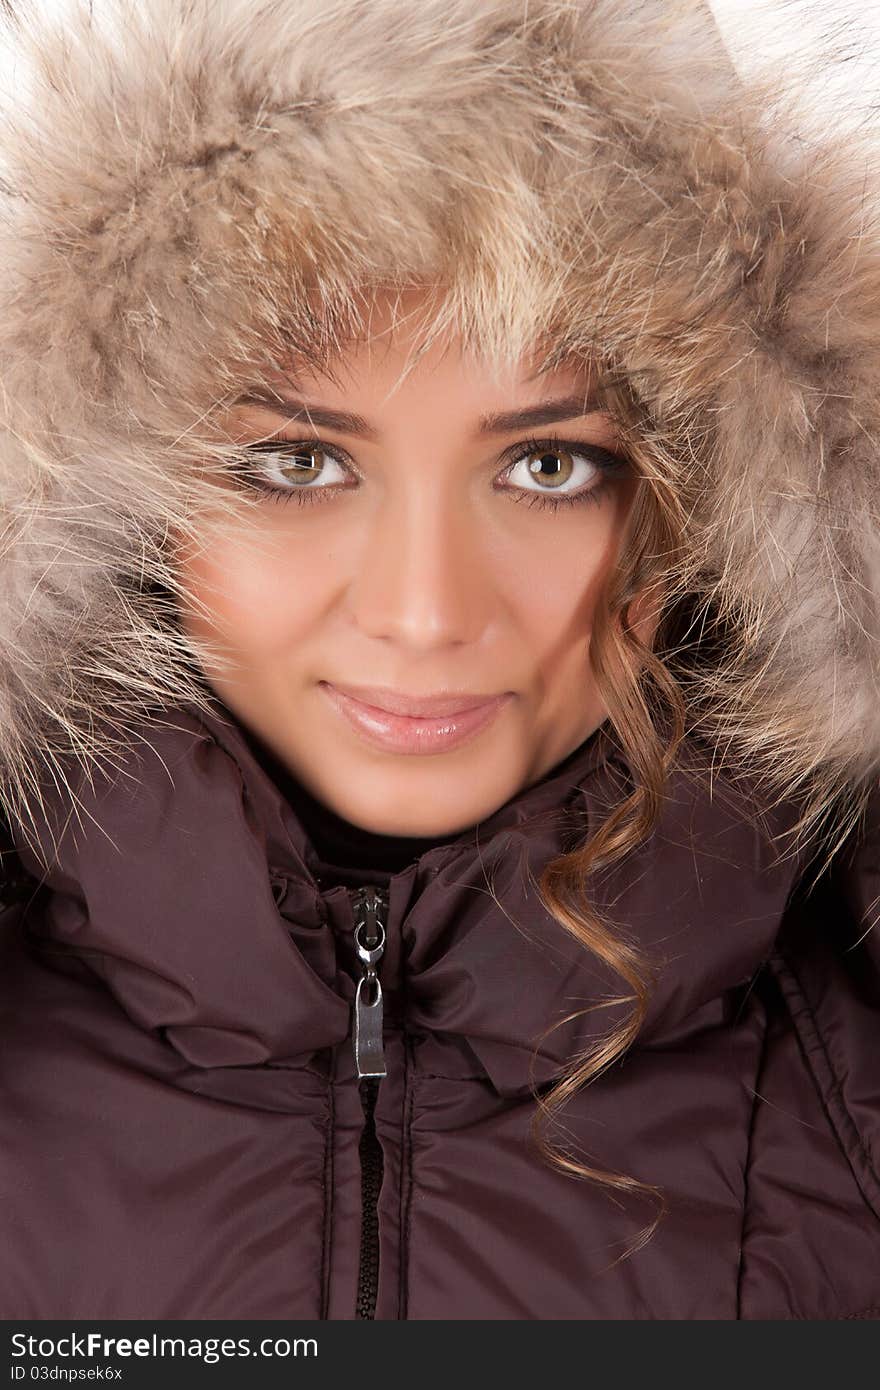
[288, 467]
[563, 471]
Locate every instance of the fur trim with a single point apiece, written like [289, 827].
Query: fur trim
[182, 183]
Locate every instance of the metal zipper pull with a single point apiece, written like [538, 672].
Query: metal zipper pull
[371, 906]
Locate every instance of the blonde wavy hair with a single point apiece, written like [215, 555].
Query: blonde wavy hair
[643, 686]
[647, 714]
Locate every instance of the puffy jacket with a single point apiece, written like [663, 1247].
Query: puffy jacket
[202, 1114]
[184, 1134]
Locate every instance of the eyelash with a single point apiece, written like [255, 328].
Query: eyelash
[609, 463]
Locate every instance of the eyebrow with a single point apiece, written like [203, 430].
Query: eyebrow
[346, 422]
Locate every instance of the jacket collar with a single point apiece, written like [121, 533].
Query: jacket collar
[188, 889]
[298, 856]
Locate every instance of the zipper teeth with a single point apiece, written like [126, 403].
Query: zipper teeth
[371, 1181]
[371, 1158]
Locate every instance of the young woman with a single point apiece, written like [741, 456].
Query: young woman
[439, 649]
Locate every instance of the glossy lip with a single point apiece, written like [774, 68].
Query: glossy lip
[384, 698]
[401, 733]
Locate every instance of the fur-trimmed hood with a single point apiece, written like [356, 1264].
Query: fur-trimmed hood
[182, 183]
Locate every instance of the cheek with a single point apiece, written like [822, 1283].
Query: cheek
[557, 574]
[252, 591]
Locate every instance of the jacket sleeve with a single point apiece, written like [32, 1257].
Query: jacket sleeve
[811, 1237]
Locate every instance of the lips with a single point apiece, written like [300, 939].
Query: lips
[435, 706]
[405, 733]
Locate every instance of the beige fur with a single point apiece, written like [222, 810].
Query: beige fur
[183, 179]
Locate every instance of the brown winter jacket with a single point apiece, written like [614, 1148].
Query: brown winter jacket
[183, 1134]
[189, 192]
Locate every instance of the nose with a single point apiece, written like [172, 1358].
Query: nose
[423, 577]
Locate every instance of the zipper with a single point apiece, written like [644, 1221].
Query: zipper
[371, 915]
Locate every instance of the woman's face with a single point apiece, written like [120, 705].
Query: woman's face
[421, 542]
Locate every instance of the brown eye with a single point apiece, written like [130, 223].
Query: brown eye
[303, 466]
[288, 466]
[556, 473]
[570, 469]
[552, 466]
[299, 463]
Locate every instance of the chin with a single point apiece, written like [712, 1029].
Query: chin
[401, 826]
[417, 825]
